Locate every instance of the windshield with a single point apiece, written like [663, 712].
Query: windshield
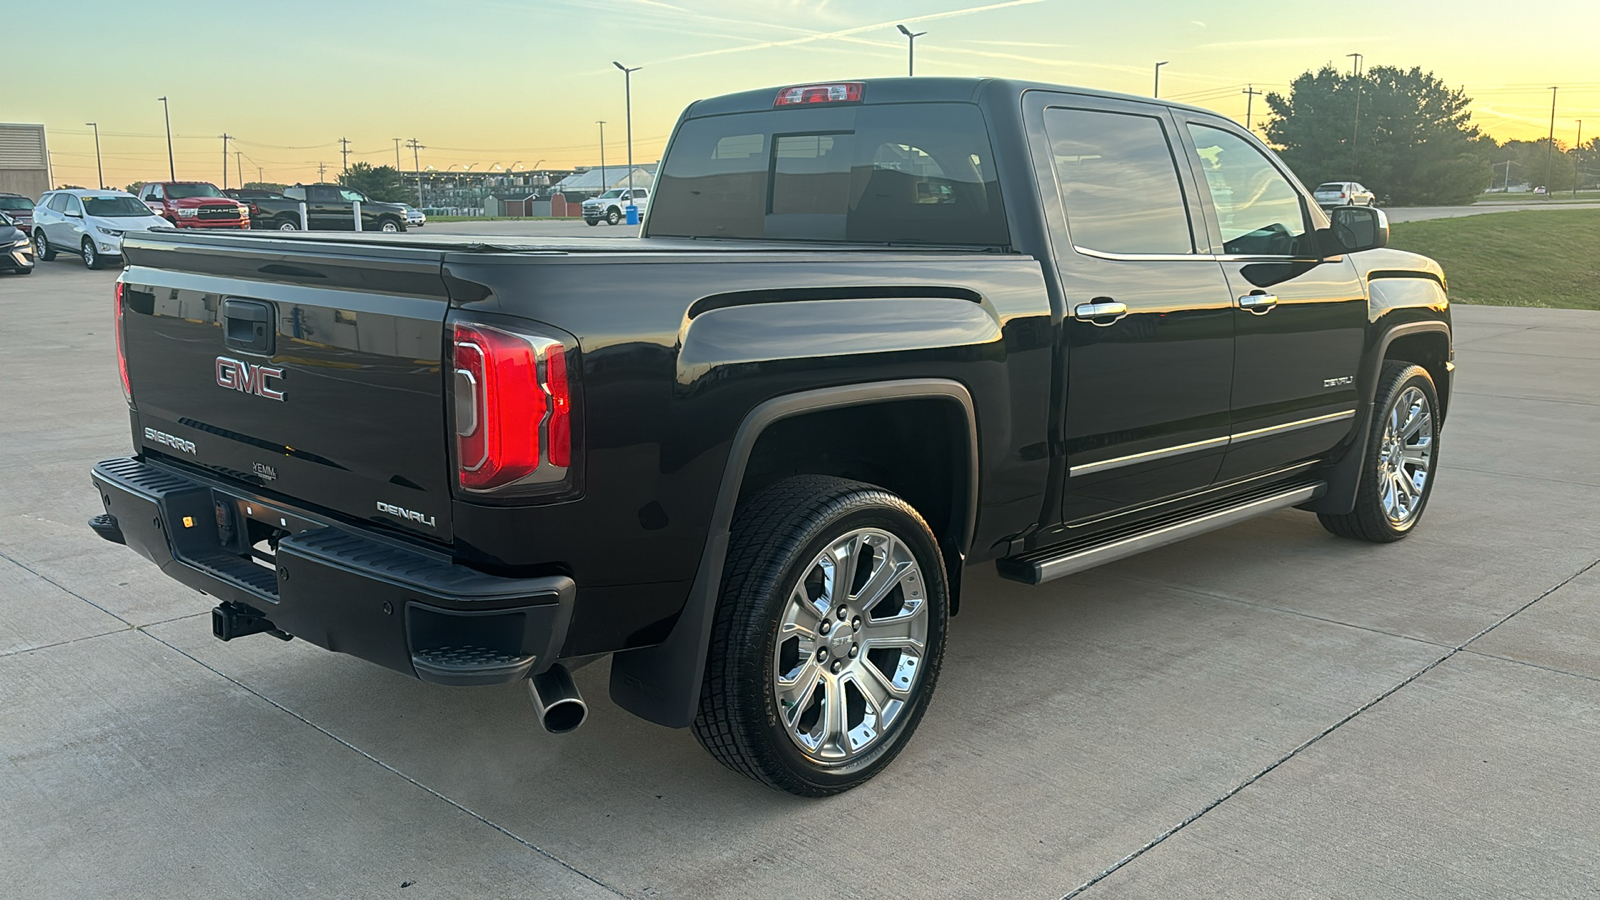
[185, 191]
[17, 203]
[919, 173]
[115, 207]
[5, 219]
[610, 195]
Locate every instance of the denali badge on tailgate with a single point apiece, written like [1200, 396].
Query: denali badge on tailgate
[410, 515]
[248, 378]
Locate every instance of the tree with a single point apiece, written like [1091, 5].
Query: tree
[379, 183]
[1414, 142]
[69, 187]
[135, 188]
[1586, 159]
[264, 186]
[1532, 162]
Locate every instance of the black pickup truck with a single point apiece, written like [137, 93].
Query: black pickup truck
[875, 333]
[329, 207]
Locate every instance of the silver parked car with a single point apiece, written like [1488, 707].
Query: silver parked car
[414, 216]
[1343, 193]
[88, 223]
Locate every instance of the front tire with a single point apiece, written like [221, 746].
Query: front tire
[390, 226]
[91, 259]
[41, 246]
[613, 216]
[1402, 453]
[828, 636]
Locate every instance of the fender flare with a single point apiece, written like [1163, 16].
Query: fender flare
[1344, 476]
[662, 683]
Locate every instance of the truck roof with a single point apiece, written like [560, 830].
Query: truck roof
[934, 89]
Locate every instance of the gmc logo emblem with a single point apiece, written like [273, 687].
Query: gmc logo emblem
[236, 375]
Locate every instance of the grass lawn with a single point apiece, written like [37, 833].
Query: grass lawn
[1538, 198]
[1531, 258]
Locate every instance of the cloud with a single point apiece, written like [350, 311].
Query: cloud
[847, 32]
[1024, 44]
[1288, 42]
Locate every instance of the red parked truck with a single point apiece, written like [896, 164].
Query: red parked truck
[194, 204]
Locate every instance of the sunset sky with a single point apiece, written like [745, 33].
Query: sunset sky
[481, 82]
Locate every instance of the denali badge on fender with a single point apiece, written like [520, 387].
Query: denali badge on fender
[410, 515]
[248, 378]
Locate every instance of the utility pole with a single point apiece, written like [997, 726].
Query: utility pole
[416, 164]
[238, 166]
[101, 169]
[604, 184]
[166, 113]
[1355, 71]
[1157, 92]
[1577, 175]
[225, 160]
[627, 94]
[322, 170]
[261, 175]
[397, 154]
[344, 151]
[1550, 164]
[1250, 103]
[911, 49]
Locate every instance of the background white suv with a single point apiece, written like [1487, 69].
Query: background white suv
[1343, 193]
[88, 223]
[613, 205]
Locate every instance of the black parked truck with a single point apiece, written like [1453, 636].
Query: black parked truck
[874, 333]
[329, 207]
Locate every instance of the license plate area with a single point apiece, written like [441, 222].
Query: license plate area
[245, 530]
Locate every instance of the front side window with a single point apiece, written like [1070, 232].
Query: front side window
[153, 192]
[1258, 209]
[1119, 182]
[74, 208]
[58, 203]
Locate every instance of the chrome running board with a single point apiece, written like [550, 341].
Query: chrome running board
[1051, 563]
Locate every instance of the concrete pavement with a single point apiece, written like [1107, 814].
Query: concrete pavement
[1264, 711]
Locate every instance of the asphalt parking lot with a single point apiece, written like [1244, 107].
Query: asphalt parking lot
[1265, 711]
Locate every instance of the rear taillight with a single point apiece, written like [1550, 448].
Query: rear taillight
[122, 352]
[513, 403]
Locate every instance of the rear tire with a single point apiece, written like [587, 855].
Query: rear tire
[41, 246]
[286, 225]
[1402, 450]
[591, 222]
[819, 670]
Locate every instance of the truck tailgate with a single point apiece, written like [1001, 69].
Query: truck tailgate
[313, 374]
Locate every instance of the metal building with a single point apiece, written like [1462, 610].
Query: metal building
[24, 160]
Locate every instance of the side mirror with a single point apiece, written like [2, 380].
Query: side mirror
[73, 215]
[1357, 228]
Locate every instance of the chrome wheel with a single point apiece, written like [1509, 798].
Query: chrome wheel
[850, 645]
[1406, 456]
[286, 225]
[389, 228]
[90, 260]
[41, 245]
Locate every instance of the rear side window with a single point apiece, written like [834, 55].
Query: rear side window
[1119, 182]
[893, 174]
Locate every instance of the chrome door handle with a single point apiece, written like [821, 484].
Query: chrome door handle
[1259, 304]
[1103, 312]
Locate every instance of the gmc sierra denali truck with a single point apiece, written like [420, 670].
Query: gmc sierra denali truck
[874, 333]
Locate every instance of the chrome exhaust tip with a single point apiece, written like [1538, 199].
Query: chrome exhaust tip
[556, 700]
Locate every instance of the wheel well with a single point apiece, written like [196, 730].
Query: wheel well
[1430, 350]
[915, 448]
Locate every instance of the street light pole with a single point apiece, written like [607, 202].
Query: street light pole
[603, 183]
[911, 49]
[627, 93]
[1550, 163]
[166, 113]
[102, 171]
[1157, 93]
[1355, 71]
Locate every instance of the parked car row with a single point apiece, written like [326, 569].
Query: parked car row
[16, 253]
[1330, 194]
